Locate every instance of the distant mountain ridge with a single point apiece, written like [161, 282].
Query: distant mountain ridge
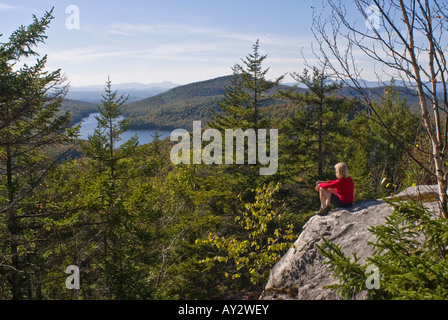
[179, 106]
[137, 91]
[175, 108]
[126, 85]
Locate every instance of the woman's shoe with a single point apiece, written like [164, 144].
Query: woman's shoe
[323, 212]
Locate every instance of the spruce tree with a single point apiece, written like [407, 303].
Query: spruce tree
[247, 94]
[256, 84]
[230, 187]
[312, 140]
[112, 177]
[111, 124]
[30, 126]
[233, 111]
[314, 131]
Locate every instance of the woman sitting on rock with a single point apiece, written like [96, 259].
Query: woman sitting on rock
[336, 192]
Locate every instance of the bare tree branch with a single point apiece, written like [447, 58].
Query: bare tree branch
[411, 44]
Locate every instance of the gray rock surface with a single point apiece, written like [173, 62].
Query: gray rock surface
[301, 273]
[422, 193]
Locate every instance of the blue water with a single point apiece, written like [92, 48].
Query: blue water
[88, 126]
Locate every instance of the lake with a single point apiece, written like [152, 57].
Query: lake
[88, 126]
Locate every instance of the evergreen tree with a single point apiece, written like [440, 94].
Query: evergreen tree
[312, 140]
[255, 83]
[409, 256]
[112, 177]
[316, 129]
[249, 91]
[229, 187]
[241, 107]
[233, 107]
[156, 141]
[111, 124]
[30, 126]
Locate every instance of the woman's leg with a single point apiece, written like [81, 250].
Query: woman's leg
[325, 196]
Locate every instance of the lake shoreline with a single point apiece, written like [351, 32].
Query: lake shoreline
[145, 136]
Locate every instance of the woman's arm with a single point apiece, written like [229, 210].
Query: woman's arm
[333, 184]
[318, 184]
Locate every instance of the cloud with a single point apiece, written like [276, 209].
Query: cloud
[224, 37]
[176, 51]
[129, 29]
[187, 42]
[85, 55]
[180, 51]
[210, 52]
[4, 6]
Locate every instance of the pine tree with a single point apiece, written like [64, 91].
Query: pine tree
[30, 126]
[233, 107]
[247, 94]
[111, 124]
[112, 176]
[228, 187]
[314, 131]
[256, 85]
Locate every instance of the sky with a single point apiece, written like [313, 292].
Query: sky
[181, 41]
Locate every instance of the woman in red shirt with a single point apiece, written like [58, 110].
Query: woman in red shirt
[336, 192]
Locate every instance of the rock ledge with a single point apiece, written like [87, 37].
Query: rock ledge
[301, 274]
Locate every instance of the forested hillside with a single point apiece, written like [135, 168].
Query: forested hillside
[179, 107]
[77, 109]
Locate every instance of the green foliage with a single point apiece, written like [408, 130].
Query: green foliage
[232, 110]
[313, 139]
[256, 85]
[78, 109]
[263, 242]
[110, 126]
[352, 276]
[241, 107]
[410, 252]
[31, 124]
[315, 130]
[377, 156]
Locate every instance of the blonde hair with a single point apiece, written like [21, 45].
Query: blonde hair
[341, 170]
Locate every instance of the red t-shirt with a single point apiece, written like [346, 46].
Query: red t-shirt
[344, 188]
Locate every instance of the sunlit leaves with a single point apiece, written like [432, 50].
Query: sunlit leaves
[263, 243]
